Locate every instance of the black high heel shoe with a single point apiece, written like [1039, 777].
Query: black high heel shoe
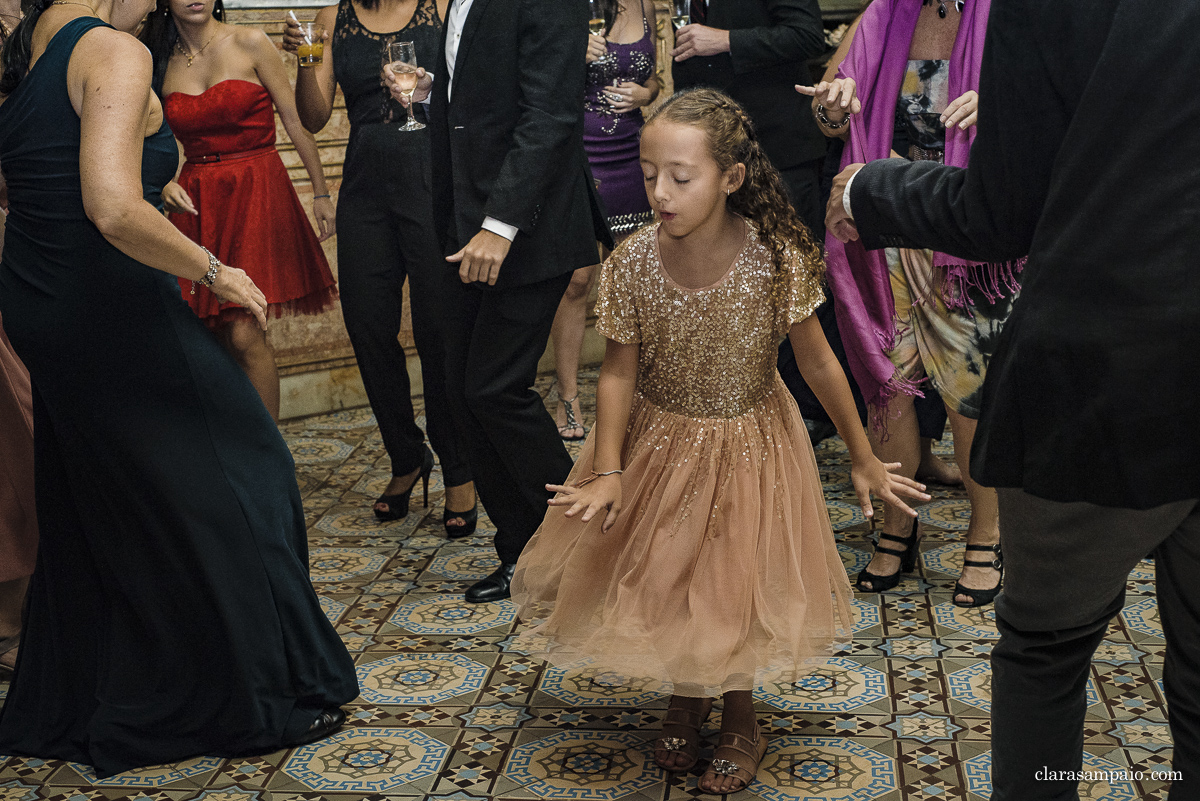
[980, 597]
[908, 560]
[470, 521]
[398, 504]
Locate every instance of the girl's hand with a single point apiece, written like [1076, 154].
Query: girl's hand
[839, 97]
[873, 476]
[597, 48]
[963, 112]
[234, 286]
[627, 96]
[176, 200]
[324, 211]
[596, 496]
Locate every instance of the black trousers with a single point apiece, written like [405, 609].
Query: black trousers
[385, 227]
[1066, 566]
[494, 339]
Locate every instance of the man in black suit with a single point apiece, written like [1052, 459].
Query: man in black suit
[755, 51]
[516, 212]
[1090, 424]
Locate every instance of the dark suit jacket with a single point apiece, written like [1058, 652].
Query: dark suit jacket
[1094, 394]
[769, 41]
[510, 143]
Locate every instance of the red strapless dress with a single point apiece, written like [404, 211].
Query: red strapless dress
[249, 214]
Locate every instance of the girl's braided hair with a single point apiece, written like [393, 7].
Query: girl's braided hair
[761, 198]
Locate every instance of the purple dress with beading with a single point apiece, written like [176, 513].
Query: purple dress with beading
[612, 139]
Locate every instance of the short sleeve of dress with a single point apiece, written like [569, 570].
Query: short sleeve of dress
[804, 291]
[616, 315]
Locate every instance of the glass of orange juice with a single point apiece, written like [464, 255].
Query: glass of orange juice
[312, 50]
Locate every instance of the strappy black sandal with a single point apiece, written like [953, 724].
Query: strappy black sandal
[908, 561]
[980, 597]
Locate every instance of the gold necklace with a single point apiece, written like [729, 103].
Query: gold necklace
[189, 56]
[72, 3]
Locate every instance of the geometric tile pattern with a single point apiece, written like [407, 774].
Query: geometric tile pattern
[1107, 783]
[450, 710]
[419, 678]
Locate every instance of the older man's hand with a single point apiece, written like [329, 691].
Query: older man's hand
[837, 220]
[699, 40]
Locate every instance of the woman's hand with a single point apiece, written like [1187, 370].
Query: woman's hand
[604, 493]
[627, 96]
[326, 214]
[597, 48]
[963, 112]
[234, 286]
[293, 37]
[176, 200]
[872, 476]
[420, 94]
[839, 97]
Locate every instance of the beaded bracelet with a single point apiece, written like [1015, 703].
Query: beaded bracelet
[210, 276]
[828, 123]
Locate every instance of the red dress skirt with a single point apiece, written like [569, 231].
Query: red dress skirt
[249, 214]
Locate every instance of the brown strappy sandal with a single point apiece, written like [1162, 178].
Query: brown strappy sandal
[688, 746]
[734, 744]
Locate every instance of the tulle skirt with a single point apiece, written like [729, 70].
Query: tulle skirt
[721, 569]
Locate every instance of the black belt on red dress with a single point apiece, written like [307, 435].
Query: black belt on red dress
[245, 154]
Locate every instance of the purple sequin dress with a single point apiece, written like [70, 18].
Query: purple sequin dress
[612, 139]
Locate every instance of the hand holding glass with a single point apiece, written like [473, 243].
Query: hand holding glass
[312, 50]
[596, 24]
[402, 59]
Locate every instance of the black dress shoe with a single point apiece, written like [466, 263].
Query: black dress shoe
[494, 587]
[326, 724]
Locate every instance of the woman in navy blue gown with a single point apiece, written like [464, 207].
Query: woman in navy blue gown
[170, 612]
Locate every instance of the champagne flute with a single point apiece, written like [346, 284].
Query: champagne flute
[597, 25]
[681, 13]
[402, 58]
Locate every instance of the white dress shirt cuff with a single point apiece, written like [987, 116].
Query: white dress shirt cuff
[429, 96]
[503, 229]
[846, 196]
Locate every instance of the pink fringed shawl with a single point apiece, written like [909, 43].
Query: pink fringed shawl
[877, 61]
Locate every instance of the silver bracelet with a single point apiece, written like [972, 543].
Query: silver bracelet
[828, 123]
[209, 277]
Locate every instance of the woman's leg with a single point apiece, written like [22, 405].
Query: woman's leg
[903, 445]
[984, 528]
[567, 333]
[371, 284]
[247, 343]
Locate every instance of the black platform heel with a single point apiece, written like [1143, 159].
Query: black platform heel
[980, 597]
[470, 521]
[398, 503]
[908, 561]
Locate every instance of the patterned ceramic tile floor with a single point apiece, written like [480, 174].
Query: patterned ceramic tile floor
[450, 711]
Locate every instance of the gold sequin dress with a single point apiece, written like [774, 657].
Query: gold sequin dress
[722, 567]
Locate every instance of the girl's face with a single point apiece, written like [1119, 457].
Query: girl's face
[191, 10]
[684, 183]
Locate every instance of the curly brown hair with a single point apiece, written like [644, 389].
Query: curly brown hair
[761, 198]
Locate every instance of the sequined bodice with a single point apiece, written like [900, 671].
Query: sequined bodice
[706, 352]
[625, 62]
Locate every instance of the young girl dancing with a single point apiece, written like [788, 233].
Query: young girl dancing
[691, 541]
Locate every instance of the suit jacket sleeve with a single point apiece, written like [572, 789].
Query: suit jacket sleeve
[795, 34]
[551, 69]
[989, 210]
